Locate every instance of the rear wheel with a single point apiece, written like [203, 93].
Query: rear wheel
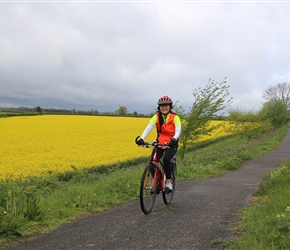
[148, 189]
[166, 194]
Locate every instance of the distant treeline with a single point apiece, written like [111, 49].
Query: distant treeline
[25, 111]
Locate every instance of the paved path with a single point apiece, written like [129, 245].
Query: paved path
[200, 214]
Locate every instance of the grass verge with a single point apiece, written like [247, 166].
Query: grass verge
[266, 224]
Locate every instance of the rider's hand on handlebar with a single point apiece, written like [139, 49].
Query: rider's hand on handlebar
[140, 142]
[172, 142]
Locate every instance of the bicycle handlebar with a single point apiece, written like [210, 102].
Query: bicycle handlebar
[153, 144]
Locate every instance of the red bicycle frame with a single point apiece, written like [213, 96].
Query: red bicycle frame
[159, 175]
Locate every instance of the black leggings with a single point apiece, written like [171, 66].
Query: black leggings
[168, 154]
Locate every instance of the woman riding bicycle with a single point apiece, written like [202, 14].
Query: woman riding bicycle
[168, 127]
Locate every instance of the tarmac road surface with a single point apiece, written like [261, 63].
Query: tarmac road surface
[201, 214]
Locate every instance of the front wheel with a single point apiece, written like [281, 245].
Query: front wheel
[148, 189]
[166, 194]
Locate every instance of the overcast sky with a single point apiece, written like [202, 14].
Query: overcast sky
[102, 55]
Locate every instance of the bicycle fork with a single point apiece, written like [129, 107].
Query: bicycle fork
[154, 183]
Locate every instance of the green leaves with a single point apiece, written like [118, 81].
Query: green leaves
[207, 103]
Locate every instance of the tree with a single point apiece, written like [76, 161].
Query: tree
[280, 91]
[248, 123]
[207, 102]
[93, 112]
[122, 111]
[38, 109]
[276, 111]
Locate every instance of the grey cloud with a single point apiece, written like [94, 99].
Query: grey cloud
[102, 55]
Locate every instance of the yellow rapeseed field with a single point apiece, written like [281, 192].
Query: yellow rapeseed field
[37, 145]
[221, 131]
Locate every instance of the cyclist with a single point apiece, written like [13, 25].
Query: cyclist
[168, 127]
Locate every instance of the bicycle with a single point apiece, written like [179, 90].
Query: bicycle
[153, 180]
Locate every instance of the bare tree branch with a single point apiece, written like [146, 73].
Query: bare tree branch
[280, 91]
